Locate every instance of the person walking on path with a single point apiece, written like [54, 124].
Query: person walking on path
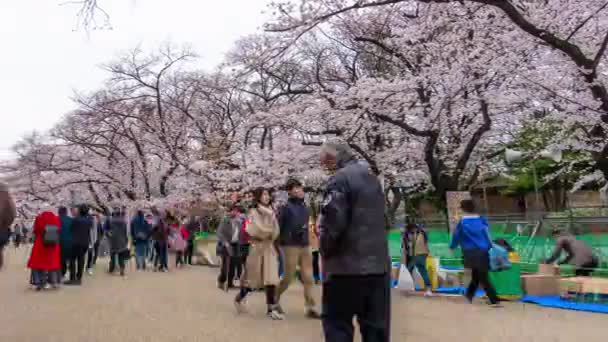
[116, 228]
[95, 236]
[66, 240]
[178, 243]
[81, 238]
[45, 259]
[261, 268]
[416, 251]
[577, 252]
[228, 245]
[472, 235]
[160, 235]
[354, 248]
[316, 254]
[140, 234]
[293, 222]
[193, 227]
[8, 212]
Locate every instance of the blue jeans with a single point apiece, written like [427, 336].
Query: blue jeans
[419, 261]
[140, 254]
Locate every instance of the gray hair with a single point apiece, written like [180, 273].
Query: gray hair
[339, 151]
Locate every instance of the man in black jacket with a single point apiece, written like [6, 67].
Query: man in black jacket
[81, 234]
[354, 249]
[7, 216]
[293, 222]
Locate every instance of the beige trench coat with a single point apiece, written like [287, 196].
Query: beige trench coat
[262, 268]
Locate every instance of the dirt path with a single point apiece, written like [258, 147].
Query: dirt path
[184, 305]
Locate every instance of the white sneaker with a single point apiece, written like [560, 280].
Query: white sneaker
[47, 286]
[275, 315]
[90, 271]
[429, 293]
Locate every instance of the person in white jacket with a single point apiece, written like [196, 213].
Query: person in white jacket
[93, 245]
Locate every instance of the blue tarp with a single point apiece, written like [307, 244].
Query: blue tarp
[457, 290]
[557, 302]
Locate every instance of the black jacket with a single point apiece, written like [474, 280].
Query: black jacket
[293, 222]
[81, 230]
[353, 237]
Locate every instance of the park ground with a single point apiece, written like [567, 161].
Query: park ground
[185, 305]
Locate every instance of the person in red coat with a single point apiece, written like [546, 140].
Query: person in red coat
[45, 260]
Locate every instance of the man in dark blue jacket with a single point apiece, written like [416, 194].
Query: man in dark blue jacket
[65, 239]
[354, 248]
[81, 235]
[293, 222]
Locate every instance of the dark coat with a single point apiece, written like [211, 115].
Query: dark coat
[160, 232]
[81, 230]
[140, 230]
[66, 233]
[293, 222]
[116, 228]
[353, 236]
[7, 212]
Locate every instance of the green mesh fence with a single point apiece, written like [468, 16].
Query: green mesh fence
[532, 251]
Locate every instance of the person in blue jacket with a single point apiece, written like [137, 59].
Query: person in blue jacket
[65, 239]
[140, 234]
[472, 235]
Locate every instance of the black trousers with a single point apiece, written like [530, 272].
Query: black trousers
[481, 277]
[189, 252]
[586, 269]
[65, 260]
[179, 258]
[121, 257]
[478, 261]
[231, 267]
[270, 290]
[77, 262]
[366, 297]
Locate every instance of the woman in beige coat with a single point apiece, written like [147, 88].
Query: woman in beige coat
[261, 269]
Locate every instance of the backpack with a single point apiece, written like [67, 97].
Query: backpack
[51, 235]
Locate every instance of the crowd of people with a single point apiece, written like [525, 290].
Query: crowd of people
[67, 244]
[265, 246]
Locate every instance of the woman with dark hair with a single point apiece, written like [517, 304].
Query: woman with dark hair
[262, 262]
[472, 234]
[116, 228]
[140, 234]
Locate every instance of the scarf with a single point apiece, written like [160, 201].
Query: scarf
[263, 224]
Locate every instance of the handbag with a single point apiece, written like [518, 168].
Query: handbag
[51, 235]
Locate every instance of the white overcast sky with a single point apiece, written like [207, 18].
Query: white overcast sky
[43, 60]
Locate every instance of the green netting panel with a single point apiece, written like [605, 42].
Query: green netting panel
[532, 251]
[508, 283]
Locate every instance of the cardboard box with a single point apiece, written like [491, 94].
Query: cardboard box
[548, 269]
[583, 285]
[540, 285]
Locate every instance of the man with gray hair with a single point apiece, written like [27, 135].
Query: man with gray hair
[7, 216]
[354, 248]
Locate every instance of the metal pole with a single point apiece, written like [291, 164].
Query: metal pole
[536, 188]
[485, 198]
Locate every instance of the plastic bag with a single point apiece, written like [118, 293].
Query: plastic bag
[406, 282]
[499, 258]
